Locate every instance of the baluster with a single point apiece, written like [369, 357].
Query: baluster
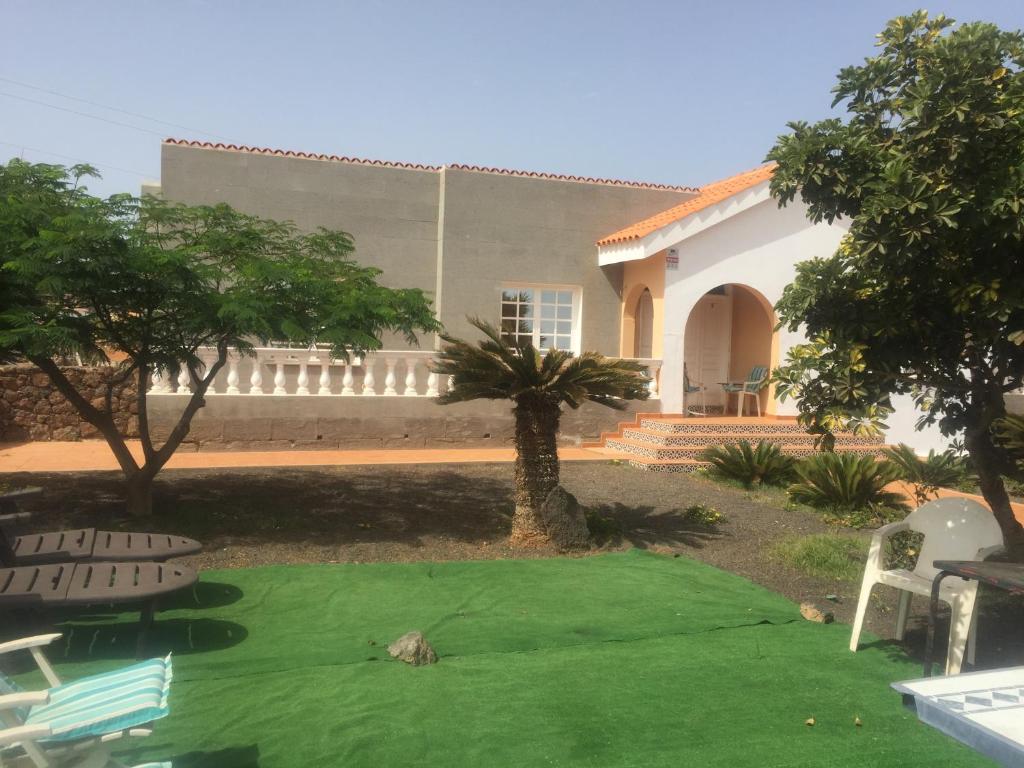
[431, 385]
[156, 382]
[206, 362]
[325, 376]
[369, 380]
[303, 380]
[410, 377]
[183, 381]
[256, 379]
[233, 375]
[652, 386]
[279, 380]
[347, 378]
[389, 378]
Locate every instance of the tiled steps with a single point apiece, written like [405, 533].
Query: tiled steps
[664, 443]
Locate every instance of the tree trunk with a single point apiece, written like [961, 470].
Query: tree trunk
[139, 495]
[536, 471]
[986, 460]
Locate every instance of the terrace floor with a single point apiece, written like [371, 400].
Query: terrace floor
[622, 659]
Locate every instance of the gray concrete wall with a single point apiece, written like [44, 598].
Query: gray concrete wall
[289, 422]
[391, 212]
[496, 228]
[505, 229]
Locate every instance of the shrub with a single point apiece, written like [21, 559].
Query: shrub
[603, 528]
[937, 470]
[824, 555]
[751, 465]
[846, 482]
[702, 514]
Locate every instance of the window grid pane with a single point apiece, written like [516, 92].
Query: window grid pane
[543, 316]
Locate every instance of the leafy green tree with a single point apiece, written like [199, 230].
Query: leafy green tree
[148, 283]
[924, 295]
[538, 384]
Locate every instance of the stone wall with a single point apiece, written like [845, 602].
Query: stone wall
[31, 408]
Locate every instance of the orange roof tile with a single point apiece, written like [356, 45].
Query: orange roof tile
[707, 196]
[419, 167]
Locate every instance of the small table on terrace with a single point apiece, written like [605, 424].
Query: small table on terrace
[1008, 576]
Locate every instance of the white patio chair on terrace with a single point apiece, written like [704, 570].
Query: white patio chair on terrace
[954, 529]
[756, 380]
[690, 388]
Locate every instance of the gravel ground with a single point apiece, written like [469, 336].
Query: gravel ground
[251, 517]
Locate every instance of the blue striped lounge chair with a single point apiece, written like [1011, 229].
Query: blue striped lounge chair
[83, 716]
[693, 388]
[752, 387]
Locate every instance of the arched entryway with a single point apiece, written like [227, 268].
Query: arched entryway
[643, 329]
[730, 331]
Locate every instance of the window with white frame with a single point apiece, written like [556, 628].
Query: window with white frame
[546, 315]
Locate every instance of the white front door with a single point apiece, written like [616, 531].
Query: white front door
[707, 344]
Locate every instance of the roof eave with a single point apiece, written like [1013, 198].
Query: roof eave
[675, 232]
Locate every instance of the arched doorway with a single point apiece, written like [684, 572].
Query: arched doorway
[729, 331]
[643, 329]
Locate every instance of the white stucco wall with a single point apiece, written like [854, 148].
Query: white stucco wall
[758, 248]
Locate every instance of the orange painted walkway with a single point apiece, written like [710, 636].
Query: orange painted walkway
[90, 455]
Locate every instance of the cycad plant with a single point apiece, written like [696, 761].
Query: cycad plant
[764, 463]
[937, 470]
[846, 482]
[538, 383]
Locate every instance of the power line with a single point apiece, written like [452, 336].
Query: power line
[78, 159]
[84, 114]
[107, 107]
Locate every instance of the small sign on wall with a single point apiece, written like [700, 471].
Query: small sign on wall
[672, 259]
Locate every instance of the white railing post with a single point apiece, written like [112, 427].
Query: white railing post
[233, 374]
[325, 375]
[256, 379]
[303, 380]
[347, 378]
[389, 379]
[279, 379]
[369, 380]
[207, 359]
[157, 385]
[410, 378]
[183, 380]
[652, 371]
[431, 385]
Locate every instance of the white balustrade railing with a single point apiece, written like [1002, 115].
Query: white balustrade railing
[314, 372]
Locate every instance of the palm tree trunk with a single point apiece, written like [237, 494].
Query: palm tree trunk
[536, 472]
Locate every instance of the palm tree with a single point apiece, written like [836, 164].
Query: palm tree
[500, 368]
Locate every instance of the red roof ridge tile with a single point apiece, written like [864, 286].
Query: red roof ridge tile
[570, 177]
[708, 195]
[423, 167]
[298, 154]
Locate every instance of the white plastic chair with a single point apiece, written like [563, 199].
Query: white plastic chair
[81, 719]
[954, 529]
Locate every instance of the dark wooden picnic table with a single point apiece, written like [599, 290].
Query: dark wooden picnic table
[1007, 576]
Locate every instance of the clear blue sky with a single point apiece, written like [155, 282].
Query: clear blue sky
[675, 92]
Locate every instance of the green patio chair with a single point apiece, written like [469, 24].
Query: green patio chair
[752, 387]
[689, 388]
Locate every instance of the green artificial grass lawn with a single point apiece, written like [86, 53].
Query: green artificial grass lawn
[628, 659]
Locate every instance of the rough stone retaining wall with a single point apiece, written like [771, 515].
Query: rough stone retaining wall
[31, 408]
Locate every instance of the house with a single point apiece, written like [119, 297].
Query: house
[672, 275]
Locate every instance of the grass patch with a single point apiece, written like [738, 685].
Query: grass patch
[626, 659]
[824, 555]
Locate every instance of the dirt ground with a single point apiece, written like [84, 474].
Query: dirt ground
[251, 517]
